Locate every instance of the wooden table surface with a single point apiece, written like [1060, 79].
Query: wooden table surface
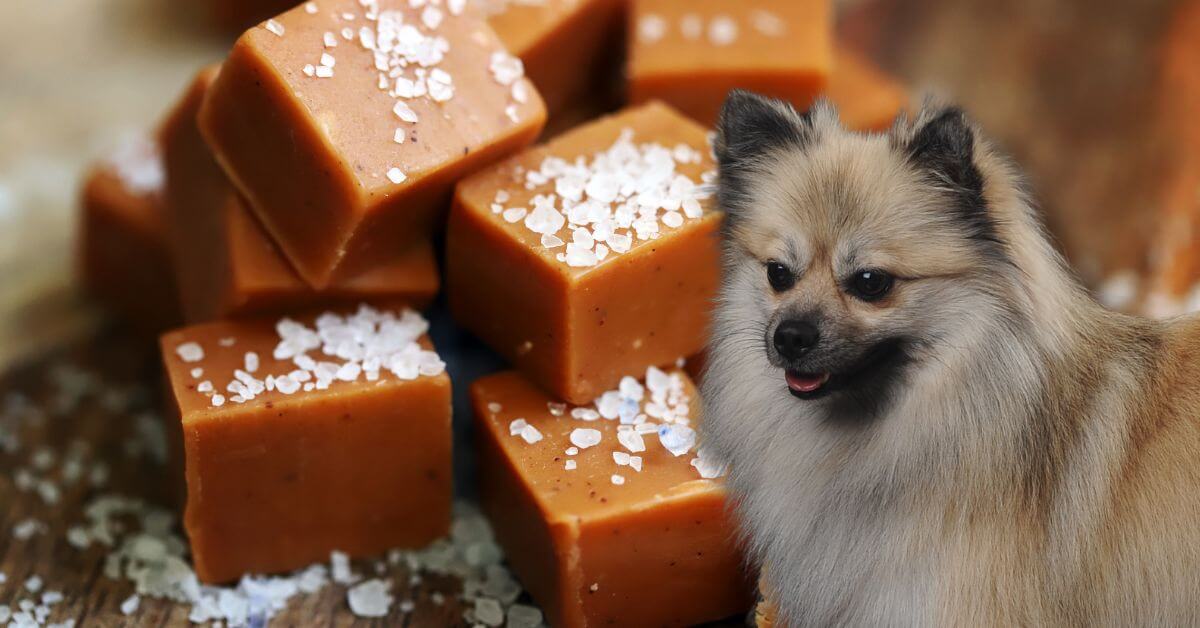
[1067, 87]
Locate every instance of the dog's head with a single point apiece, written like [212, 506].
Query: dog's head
[848, 255]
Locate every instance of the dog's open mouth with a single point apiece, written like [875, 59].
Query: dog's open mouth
[884, 359]
[806, 384]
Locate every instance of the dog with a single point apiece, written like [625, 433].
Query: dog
[926, 419]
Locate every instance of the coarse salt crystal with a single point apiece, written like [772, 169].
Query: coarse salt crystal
[569, 465]
[515, 427]
[130, 605]
[309, 70]
[218, 400]
[395, 175]
[651, 28]
[618, 479]
[327, 60]
[330, 40]
[531, 434]
[370, 599]
[310, 7]
[197, 373]
[631, 440]
[404, 112]
[514, 214]
[190, 352]
[584, 437]
[399, 136]
[722, 30]
[251, 362]
[275, 27]
[324, 71]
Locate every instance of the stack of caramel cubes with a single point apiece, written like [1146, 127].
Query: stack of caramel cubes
[286, 213]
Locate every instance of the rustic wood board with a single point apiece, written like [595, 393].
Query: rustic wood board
[123, 364]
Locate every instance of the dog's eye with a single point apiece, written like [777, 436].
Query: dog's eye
[779, 276]
[870, 285]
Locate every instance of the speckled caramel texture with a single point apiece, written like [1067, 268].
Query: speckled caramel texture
[278, 482]
[695, 75]
[657, 550]
[226, 263]
[577, 331]
[567, 45]
[123, 260]
[311, 155]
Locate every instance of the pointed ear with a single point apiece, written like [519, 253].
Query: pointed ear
[750, 126]
[943, 145]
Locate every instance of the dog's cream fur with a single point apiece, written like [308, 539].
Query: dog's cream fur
[1037, 460]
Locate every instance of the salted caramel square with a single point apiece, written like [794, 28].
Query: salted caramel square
[345, 127]
[226, 264]
[691, 53]
[570, 48]
[608, 513]
[593, 256]
[123, 259]
[300, 436]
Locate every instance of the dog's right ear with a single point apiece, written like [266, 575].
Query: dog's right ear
[749, 128]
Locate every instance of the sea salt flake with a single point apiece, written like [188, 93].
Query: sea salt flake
[330, 40]
[370, 599]
[327, 60]
[677, 439]
[722, 30]
[531, 434]
[190, 352]
[569, 465]
[404, 112]
[130, 605]
[631, 440]
[275, 27]
[395, 175]
[584, 437]
[324, 71]
[618, 479]
[651, 28]
[514, 214]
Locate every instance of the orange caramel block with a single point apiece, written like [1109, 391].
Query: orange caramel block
[690, 53]
[345, 128]
[590, 257]
[567, 46]
[867, 99]
[123, 259]
[594, 540]
[289, 459]
[228, 266]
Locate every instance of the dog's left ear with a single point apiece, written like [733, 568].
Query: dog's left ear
[944, 146]
[749, 128]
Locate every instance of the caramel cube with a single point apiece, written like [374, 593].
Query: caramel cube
[346, 128]
[690, 53]
[300, 437]
[123, 259]
[227, 265]
[567, 46]
[867, 99]
[590, 257]
[607, 513]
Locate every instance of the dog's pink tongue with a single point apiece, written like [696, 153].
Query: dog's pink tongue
[806, 383]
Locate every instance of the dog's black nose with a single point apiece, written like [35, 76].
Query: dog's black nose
[795, 338]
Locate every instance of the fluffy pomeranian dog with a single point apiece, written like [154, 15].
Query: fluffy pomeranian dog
[927, 420]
